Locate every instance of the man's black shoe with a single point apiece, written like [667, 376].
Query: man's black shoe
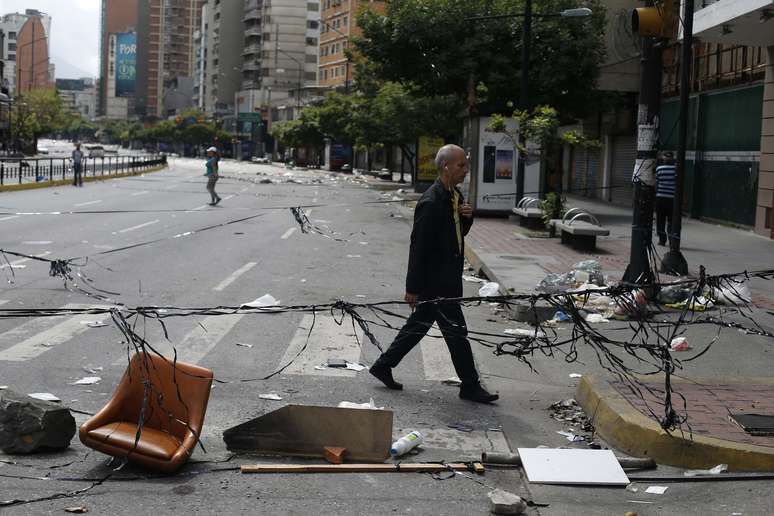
[477, 394]
[384, 375]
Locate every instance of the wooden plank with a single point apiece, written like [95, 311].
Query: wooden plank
[360, 468]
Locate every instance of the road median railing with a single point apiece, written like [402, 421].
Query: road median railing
[50, 171]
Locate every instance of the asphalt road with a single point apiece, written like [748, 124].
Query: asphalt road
[235, 263]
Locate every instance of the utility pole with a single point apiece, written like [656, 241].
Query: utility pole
[674, 261]
[644, 175]
[526, 39]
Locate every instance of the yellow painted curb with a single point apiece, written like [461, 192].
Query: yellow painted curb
[65, 182]
[629, 430]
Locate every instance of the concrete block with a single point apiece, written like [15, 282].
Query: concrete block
[29, 425]
[765, 198]
[766, 178]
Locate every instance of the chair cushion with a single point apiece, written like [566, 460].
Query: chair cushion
[153, 443]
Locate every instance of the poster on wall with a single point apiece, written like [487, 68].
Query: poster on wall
[426, 151]
[504, 167]
[126, 63]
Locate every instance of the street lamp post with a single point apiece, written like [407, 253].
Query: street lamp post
[526, 41]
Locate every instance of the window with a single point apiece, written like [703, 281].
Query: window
[311, 58]
[12, 57]
[325, 74]
[313, 7]
[11, 47]
[310, 76]
[11, 35]
[312, 42]
[345, 21]
[312, 24]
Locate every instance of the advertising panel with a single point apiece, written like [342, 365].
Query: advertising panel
[426, 151]
[495, 170]
[126, 63]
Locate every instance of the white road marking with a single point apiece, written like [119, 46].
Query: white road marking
[87, 203]
[38, 335]
[138, 226]
[234, 275]
[226, 198]
[140, 193]
[37, 242]
[198, 342]
[287, 233]
[3, 301]
[22, 260]
[328, 340]
[200, 207]
[435, 356]
[9, 217]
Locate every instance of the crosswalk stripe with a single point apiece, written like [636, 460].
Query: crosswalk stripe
[234, 275]
[198, 342]
[3, 301]
[435, 356]
[328, 340]
[38, 335]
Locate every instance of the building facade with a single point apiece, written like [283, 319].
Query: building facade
[223, 55]
[26, 39]
[166, 50]
[79, 95]
[117, 16]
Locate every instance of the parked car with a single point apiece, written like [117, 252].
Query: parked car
[96, 151]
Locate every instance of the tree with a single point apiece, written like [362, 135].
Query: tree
[434, 45]
[38, 112]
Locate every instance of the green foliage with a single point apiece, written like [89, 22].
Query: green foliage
[434, 45]
[577, 138]
[553, 206]
[539, 126]
[38, 112]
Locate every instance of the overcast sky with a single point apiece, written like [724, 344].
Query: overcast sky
[74, 33]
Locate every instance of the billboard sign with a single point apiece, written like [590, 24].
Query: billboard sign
[428, 147]
[126, 63]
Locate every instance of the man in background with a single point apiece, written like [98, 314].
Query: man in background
[77, 157]
[665, 197]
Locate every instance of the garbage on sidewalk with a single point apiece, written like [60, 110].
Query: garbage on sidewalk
[406, 443]
[489, 289]
[365, 406]
[29, 425]
[266, 301]
[587, 272]
[679, 344]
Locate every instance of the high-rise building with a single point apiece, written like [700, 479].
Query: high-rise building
[200, 59]
[78, 95]
[118, 17]
[166, 50]
[223, 56]
[33, 68]
[338, 25]
[11, 24]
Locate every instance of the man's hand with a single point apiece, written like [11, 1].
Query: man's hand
[466, 210]
[411, 299]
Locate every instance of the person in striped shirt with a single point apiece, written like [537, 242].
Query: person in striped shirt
[665, 195]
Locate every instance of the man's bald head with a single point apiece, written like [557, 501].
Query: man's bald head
[452, 165]
[446, 154]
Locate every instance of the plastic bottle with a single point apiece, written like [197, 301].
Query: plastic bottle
[406, 443]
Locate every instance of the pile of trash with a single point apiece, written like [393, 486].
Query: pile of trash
[587, 272]
[571, 415]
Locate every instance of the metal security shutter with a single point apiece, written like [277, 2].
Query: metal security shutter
[579, 172]
[592, 173]
[624, 155]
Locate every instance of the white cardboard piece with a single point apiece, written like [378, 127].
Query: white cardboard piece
[559, 466]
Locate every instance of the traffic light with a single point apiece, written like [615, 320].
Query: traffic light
[654, 21]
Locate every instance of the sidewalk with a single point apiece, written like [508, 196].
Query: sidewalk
[730, 379]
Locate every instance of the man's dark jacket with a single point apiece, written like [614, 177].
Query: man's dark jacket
[435, 262]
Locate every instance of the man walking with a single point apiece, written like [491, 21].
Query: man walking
[665, 196]
[441, 220]
[77, 157]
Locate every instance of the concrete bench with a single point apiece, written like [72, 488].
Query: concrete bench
[579, 233]
[529, 212]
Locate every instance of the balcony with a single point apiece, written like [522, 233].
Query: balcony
[252, 14]
[251, 49]
[736, 22]
[248, 67]
[253, 31]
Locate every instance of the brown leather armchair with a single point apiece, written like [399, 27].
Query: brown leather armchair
[175, 403]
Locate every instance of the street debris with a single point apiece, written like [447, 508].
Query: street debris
[452, 380]
[560, 316]
[489, 289]
[44, 396]
[717, 470]
[334, 454]
[265, 301]
[504, 502]
[87, 380]
[659, 490]
[354, 366]
[571, 436]
[679, 344]
[576, 375]
[572, 466]
[244, 345]
[522, 332]
[81, 509]
[32, 425]
[462, 427]
[271, 396]
[94, 324]
[367, 406]
[473, 279]
[338, 363]
[596, 319]
[304, 430]
[568, 411]
[406, 443]
[93, 370]
[587, 272]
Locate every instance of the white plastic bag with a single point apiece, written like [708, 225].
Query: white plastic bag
[489, 289]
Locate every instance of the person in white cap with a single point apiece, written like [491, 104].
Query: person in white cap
[212, 174]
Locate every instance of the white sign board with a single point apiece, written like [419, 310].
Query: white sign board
[569, 466]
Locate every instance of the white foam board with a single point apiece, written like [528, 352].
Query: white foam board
[559, 466]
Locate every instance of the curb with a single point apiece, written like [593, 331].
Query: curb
[631, 432]
[66, 182]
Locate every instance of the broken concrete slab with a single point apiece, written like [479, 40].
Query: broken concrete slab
[305, 430]
[29, 425]
[503, 502]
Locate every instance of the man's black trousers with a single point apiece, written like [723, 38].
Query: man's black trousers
[452, 324]
[664, 206]
[77, 177]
